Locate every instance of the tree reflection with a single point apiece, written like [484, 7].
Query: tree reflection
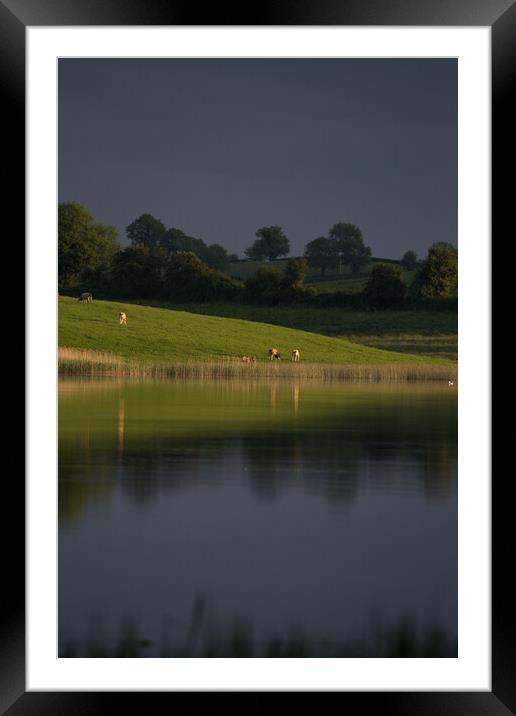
[269, 437]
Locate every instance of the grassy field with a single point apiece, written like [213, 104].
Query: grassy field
[162, 335]
[347, 282]
[424, 333]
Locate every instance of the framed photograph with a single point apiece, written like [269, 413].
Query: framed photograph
[369, 570]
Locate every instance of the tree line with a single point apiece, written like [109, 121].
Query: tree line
[159, 262]
[343, 246]
[435, 278]
[166, 263]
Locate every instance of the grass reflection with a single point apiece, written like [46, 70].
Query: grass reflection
[201, 638]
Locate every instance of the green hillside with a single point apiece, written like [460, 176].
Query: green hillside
[161, 334]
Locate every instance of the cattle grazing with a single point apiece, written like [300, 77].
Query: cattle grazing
[122, 318]
[274, 354]
[295, 355]
[85, 297]
[246, 359]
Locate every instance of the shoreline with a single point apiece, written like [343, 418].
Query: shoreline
[84, 362]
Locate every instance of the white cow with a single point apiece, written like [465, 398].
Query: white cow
[122, 318]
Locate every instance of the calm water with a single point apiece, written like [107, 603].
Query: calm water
[188, 510]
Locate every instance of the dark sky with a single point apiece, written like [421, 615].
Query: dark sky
[219, 148]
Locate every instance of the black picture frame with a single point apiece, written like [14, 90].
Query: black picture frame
[500, 15]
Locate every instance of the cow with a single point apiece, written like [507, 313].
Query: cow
[122, 318]
[295, 355]
[85, 297]
[274, 354]
[246, 359]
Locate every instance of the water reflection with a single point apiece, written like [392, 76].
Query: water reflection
[276, 500]
[295, 396]
[121, 425]
[354, 445]
[316, 463]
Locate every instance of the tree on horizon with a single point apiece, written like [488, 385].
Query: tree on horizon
[352, 250]
[146, 231]
[322, 253]
[271, 244]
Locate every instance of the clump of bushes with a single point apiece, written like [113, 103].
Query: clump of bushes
[263, 286]
[188, 278]
[386, 288]
[134, 273]
[267, 286]
[292, 288]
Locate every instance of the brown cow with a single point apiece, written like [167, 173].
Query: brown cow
[274, 354]
[122, 318]
[295, 355]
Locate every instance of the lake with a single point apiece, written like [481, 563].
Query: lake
[266, 518]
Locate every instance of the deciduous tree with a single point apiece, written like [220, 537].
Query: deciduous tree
[146, 231]
[83, 246]
[352, 249]
[409, 260]
[322, 253]
[437, 276]
[294, 275]
[271, 243]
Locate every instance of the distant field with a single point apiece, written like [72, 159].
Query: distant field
[245, 269]
[348, 284]
[345, 281]
[160, 334]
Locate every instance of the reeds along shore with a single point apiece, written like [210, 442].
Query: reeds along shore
[74, 361]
